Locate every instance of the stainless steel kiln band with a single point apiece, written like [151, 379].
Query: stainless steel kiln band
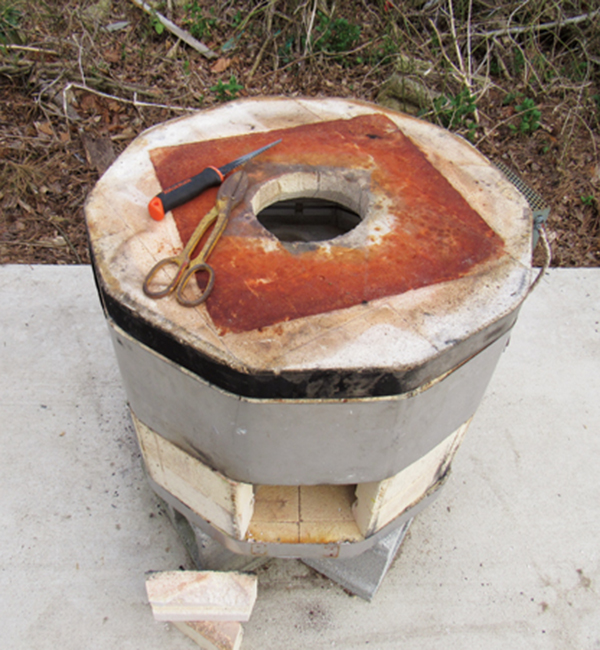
[298, 442]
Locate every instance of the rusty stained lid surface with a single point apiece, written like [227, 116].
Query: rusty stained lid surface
[428, 232]
[442, 252]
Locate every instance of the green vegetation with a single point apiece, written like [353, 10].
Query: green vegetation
[457, 111]
[528, 114]
[196, 22]
[520, 79]
[334, 35]
[158, 27]
[10, 19]
[227, 91]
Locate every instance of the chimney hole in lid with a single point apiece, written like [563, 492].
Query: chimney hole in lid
[308, 219]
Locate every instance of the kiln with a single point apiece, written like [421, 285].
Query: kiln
[365, 288]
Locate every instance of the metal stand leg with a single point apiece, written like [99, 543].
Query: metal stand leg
[364, 574]
[206, 553]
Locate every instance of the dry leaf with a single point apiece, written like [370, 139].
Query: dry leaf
[55, 242]
[44, 128]
[98, 151]
[112, 56]
[88, 102]
[25, 206]
[221, 65]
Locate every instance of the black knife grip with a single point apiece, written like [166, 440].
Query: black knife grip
[183, 192]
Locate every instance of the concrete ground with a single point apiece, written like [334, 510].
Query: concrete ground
[507, 557]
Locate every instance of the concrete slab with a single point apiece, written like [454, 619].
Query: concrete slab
[507, 557]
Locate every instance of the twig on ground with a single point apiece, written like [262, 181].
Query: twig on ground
[132, 102]
[311, 22]
[539, 27]
[101, 80]
[258, 59]
[461, 63]
[64, 235]
[186, 37]
[449, 61]
[465, 72]
[80, 60]
[28, 48]
[313, 55]
[269, 38]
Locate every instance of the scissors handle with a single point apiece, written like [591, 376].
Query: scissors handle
[167, 261]
[185, 278]
[231, 193]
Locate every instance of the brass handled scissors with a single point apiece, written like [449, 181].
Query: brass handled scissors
[230, 194]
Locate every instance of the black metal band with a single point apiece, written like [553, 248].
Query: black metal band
[310, 384]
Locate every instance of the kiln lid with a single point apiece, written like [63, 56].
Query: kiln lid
[433, 271]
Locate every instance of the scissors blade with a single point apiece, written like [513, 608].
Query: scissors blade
[233, 189]
[244, 159]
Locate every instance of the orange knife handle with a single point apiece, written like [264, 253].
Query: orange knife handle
[183, 192]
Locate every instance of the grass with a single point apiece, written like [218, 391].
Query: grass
[10, 20]
[527, 113]
[457, 111]
[334, 35]
[197, 22]
[520, 79]
[225, 92]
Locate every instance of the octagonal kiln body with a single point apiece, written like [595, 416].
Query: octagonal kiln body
[342, 361]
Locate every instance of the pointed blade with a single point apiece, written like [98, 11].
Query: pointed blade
[244, 159]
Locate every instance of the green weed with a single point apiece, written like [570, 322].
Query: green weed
[576, 71]
[589, 200]
[237, 19]
[334, 35]
[159, 28]
[495, 67]
[518, 61]
[227, 91]
[383, 51]
[527, 111]
[529, 116]
[286, 51]
[197, 23]
[544, 69]
[10, 19]
[511, 97]
[457, 111]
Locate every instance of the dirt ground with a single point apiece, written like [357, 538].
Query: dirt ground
[80, 80]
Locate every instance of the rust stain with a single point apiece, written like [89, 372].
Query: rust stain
[436, 236]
